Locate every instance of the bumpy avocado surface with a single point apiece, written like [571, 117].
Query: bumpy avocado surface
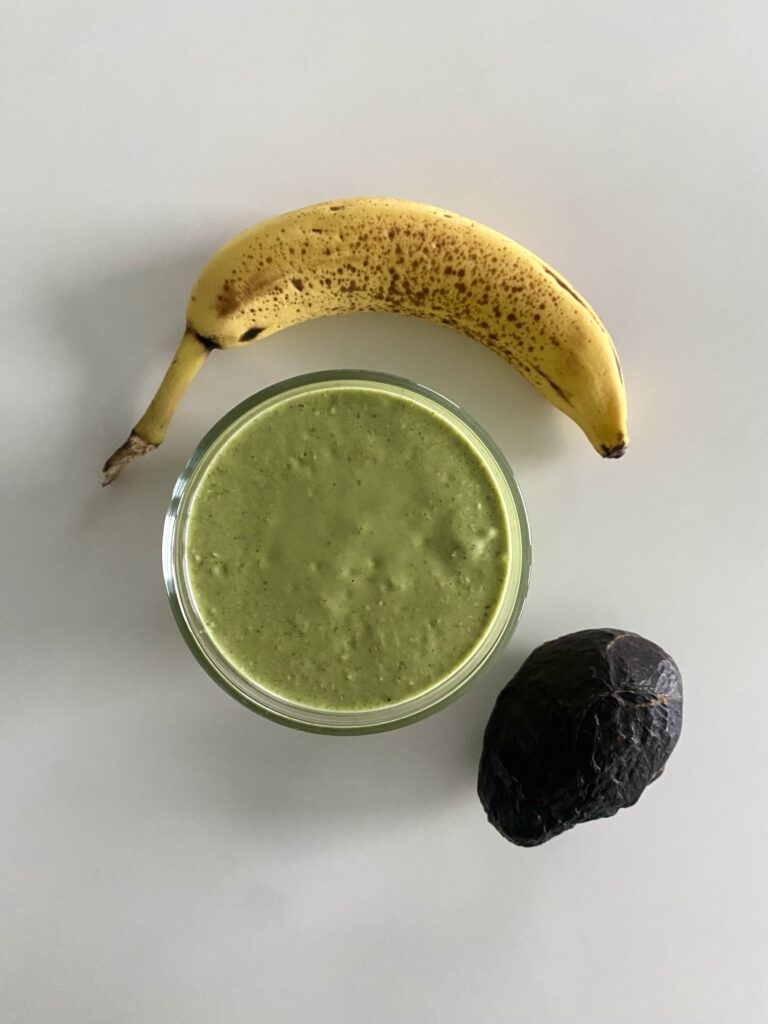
[587, 722]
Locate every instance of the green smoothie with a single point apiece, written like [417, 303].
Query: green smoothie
[347, 548]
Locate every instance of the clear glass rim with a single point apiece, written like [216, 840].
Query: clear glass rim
[298, 716]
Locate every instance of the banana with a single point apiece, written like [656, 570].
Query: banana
[404, 257]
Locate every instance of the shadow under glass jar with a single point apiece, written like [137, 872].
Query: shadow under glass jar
[268, 702]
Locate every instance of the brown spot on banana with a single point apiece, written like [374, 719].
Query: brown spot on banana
[251, 333]
[553, 384]
[564, 284]
[232, 298]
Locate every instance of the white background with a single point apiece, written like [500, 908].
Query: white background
[164, 854]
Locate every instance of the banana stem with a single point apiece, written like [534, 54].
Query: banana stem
[149, 432]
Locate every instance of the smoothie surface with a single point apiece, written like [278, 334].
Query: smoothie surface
[347, 548]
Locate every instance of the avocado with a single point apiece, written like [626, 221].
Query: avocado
[586, 723]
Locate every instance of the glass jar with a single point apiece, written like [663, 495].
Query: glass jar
[272, 705]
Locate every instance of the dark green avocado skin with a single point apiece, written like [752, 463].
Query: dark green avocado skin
[586, 723]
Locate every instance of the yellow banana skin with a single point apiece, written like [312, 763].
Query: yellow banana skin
[398, 256]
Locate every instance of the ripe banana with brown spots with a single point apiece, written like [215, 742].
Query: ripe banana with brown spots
[400, 257]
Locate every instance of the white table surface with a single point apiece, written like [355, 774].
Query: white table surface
[168, 856]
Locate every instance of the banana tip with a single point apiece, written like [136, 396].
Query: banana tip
[132, 449]
[614, 451]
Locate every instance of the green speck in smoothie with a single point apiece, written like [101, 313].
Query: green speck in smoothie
[347, 548]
